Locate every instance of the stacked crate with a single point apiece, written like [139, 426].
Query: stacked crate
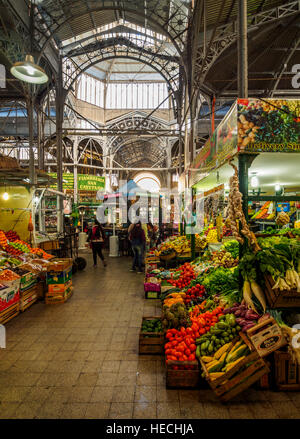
[9, 300]
[59, 281]
[28, 289]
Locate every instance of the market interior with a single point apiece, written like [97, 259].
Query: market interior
[183, 116]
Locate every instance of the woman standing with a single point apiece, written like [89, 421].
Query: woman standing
[96, 239]
[137, 238]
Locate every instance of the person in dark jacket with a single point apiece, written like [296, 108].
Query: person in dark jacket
[138, 240]
[96, 239]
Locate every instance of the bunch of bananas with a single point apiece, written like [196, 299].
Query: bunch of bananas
[282, 219]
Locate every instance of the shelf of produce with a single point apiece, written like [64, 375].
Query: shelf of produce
[287, 372]
[150, 342]
[280, 299]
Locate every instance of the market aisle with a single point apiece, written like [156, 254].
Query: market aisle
[81, 359]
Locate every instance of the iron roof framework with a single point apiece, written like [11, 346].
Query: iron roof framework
[191, 44]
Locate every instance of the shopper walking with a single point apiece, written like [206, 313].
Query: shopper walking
[96, 239]
[138, 240]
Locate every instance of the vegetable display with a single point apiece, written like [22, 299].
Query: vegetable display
[153, 325]
[186, 274]
[219, 335]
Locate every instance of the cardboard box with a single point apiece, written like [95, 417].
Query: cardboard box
[59, 277]
[59, 288]
[266, 337]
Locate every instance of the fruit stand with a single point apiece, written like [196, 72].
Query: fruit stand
[229, 314]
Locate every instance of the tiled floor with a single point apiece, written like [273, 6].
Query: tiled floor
[80, 359]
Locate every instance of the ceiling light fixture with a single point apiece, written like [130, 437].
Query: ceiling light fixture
[277, 187]
[28, 71]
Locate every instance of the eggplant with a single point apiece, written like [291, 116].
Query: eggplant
[248, 326]
[241, 321]
[250, 315]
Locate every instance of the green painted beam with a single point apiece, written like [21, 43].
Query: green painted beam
[277, 198]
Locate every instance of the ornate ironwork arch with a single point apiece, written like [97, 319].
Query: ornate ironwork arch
[171, 19]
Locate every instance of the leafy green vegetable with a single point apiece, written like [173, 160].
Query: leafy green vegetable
[247, 266]
[232, 247]
[222, 280]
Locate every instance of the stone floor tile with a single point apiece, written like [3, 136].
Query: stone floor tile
[121, 410]
[144, 411]
[123, 394]
[102, 394]
[97, 410]
[80, 394]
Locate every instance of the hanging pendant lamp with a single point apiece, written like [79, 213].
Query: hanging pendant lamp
[28, 71]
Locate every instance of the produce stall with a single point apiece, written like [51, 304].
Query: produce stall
[24, 271]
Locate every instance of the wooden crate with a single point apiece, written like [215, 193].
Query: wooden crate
[53, 299]
[152, 294]
[236, 380]
[154, 343]
[49, 245]
[280, 299]
[287, 372]
[28, 298]
[266, 337]
[41, 289]
[9, 313]
[182, 379]
[60, 264]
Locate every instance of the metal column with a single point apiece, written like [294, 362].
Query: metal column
[40, 138]
[75, 169]
[242, 50]
[29, 102]
[59, 144]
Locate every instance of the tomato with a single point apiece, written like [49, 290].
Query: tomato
[188, 341]
[185, 358]
[187, 352]
[193, 347]
[190, 357]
